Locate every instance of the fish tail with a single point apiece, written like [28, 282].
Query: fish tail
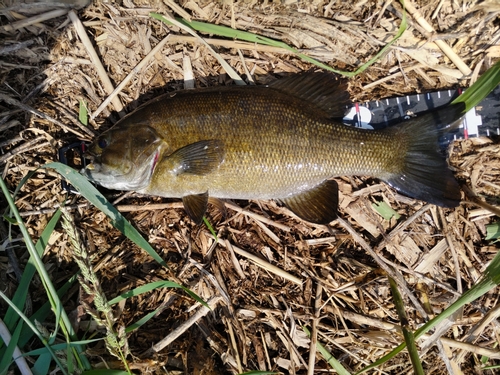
[423, 173]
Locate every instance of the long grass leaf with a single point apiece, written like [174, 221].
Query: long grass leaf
[62, 346]
[42, 364]
[480, 89]
[229, 70]
[21, 293]
[7, 359]
[42, 313]
[327, 356]
[35, 330]
[490, 279]
[42, 272]
[227, 32]
[93, 195]
[407, 333]
[146, 318]
[152, 286]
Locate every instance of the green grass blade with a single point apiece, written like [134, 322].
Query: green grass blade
[42, 272]
[42, 364]
[493, 231]
[475, 94]
[42, 313]
[490, 280]
[210, 228]
[35, 330]
[83, 113]
[93, 195]
[63, 346]
[21, 293]
[384, 210]
[141, 321]
[228, 32]
[407, 333]
[152, 286]
[332, 361]
[7, 359]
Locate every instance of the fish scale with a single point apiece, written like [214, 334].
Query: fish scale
[283, 141]
[301, 148]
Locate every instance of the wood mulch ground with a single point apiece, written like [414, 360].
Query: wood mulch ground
[269, 274]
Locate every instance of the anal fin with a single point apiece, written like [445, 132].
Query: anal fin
[317, 205]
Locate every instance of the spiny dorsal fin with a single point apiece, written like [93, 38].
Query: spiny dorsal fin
[197, 158]
[196, 206]
[318, 205]
[324, 90]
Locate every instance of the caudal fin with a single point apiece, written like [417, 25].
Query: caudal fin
[425, 174]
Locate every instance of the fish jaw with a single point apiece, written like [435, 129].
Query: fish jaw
[136, 176]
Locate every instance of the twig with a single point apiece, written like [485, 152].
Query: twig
[101, 72]
[447, 50]
[386, 326]
[234, 344]
[25, 146]
[202, 311]
[475, 200]
[229, 70]
[265, 265]
[112, 95]
[5, 50]
[314, 330]
[380, 261]
[187, 69]
[257, 217]
[392, 76]
[46, 211]
[29, 109]
[33, 20]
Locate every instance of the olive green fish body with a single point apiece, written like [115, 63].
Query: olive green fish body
[273, 147]
[267, 142]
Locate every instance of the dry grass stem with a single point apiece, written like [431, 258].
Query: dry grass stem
[201, 312]
[34, 20]
[266, 265]
[112, 97]
[448, 51]
[101, 72]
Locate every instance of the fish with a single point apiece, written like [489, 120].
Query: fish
[283, 141]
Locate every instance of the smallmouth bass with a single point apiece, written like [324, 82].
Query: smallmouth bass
[283, 141]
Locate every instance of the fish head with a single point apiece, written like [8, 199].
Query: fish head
[124, 158]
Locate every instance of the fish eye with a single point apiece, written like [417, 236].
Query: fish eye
[102, 143]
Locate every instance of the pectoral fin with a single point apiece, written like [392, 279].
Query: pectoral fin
[318, 205]
[196, 206]
[197, 158]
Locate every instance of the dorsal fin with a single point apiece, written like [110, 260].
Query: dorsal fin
[324, 90]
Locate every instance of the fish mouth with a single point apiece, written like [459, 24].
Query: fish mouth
[136, 179]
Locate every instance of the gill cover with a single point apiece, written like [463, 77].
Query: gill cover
[124, 158]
